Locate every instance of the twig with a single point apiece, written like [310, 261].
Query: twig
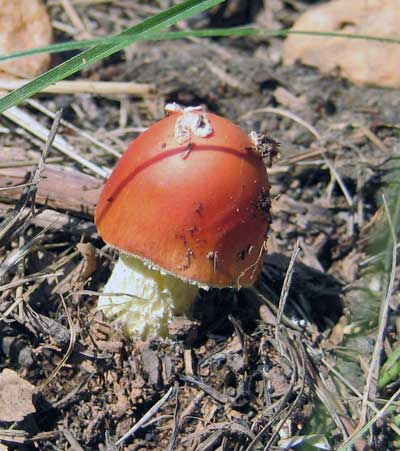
[55, 220]
[71, 344]
[13, 258]
[31, 278]
[220, 397]
[49, 142]
[146, 417]
[11, 223]
[287, 282]
[73, 442]
[285, 320]
[71, 395]
[177, 420]
[193, 405]
[278, 408]
[375, 140]
[284, 113]
[339, 181]
[16, 187]
[302, 377]
[223, 426]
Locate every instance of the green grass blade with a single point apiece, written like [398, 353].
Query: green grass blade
[206, 33]
[390, 370]
[155, 23]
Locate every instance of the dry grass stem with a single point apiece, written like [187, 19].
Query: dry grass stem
[75, 19]
[370, 386]
[81, 2]
[87, 87]
[28, 122]
[100, 144]
[21, 164]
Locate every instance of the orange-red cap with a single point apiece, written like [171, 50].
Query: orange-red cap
[190, 196]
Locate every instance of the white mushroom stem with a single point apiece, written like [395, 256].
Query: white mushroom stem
[142, 299]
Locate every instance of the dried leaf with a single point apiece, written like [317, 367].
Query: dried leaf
[15, 397]
[364, 62]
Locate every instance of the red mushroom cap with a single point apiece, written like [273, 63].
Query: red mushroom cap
[190, 196]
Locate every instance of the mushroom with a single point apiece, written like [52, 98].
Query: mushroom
[187, 207]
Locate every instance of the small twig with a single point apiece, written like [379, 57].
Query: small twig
[20, 186]
[220, 397]
[31, 278]
[375, 140]
[13, 258]
[286, 283]
[12, 221]
[146, 417]
[193, 405]
[177, 420]
[340, 182]
[278, 408]
[285, 320]
[71, 395]
[71, 344]
[284, 113]
[49, 142]
[73, 442]
[223, 426]
[302, 377]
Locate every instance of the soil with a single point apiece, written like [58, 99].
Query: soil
[243, 373]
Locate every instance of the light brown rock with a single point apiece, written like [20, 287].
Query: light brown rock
[363, 62]
[24, 24]
[15, 397]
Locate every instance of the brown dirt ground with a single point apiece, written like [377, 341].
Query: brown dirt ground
[235, 381]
